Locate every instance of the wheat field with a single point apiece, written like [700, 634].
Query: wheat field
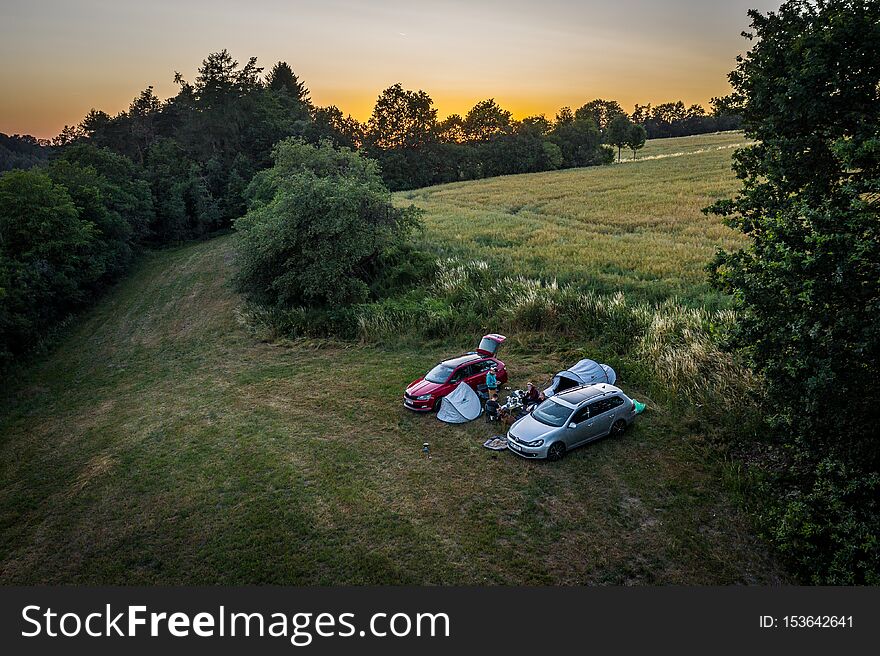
[636, 227]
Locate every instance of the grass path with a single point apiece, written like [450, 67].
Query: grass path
[162, 443]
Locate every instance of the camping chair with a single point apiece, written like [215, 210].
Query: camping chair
[492, 416]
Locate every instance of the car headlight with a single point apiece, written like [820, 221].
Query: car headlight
[423, 397]
[534, 443]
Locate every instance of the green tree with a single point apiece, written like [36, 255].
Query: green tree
[451, 130]
[618, 132]
[183, 203]
[320, 220]
[552, 155]
[282, 78]
[402, 119]
[486, 120]
[125, 191]
[601, 111]
[538, 122]
[809, 282]
[580, 142]
[330, 123]
[291, 93]
[563, 117]
[142, 115]
[636, 138]
[45, 262]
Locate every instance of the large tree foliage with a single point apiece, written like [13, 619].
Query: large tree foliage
[45, 262]
[636, 138]
[21, 152]
[580, 142]
[402, 119]
[602, 112]
[809, 284]
[486, 120]
[320, 222]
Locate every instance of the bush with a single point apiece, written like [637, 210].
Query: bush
[828, 530]
[320, 227]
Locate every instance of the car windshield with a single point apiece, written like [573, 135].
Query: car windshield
[439, 374]
[551, 413]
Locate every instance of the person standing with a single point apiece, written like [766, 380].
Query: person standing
[492, 381]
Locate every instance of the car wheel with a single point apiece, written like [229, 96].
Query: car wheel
[556, 451]
[437, 404]
[618, 428]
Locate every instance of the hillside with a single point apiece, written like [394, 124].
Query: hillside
[639, 228]
[163, 442]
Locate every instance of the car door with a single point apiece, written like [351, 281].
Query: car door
[602, 414]
[463, 373]
[578, 430]
[460, 374]
[477, 376]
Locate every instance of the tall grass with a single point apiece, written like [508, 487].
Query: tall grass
[677, 346]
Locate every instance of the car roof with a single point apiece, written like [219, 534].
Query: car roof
[462, 359]
[577, 395]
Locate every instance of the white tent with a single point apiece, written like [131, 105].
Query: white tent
[460, 406]
[585, 372]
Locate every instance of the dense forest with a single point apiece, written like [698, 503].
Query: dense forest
[21, 151]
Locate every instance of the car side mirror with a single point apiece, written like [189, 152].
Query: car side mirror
[572, 425]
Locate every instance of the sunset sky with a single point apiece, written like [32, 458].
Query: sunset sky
[62, 57]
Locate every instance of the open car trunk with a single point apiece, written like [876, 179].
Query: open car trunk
[490, 344]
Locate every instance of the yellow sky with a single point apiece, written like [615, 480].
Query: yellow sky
[60, 58]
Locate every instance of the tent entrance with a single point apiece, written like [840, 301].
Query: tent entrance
[566, 383]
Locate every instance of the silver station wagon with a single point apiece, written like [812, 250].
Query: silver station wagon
[569, 419]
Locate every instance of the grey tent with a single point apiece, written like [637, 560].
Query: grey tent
[585, 372]
[460, 406]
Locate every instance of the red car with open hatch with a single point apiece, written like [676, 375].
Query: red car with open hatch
[424, 394]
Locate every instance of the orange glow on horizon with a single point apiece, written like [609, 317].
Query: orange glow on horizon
[58, 61]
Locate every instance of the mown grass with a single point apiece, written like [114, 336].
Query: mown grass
[637, 229]
[162, 443]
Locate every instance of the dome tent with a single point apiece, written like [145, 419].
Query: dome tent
[585, 372]
[460, 406]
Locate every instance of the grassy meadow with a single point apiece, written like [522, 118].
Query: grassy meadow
[637, 229]
[163, 441]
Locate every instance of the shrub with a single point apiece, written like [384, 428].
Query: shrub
[827, 528]
[320, 228]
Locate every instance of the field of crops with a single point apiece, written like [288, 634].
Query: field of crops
[636, 228]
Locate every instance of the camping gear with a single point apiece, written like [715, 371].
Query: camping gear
[496, 443]
[640, 407]
[585, 372]
[461, 405]
[515, 401]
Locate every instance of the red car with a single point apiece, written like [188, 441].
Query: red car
[424, 394]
